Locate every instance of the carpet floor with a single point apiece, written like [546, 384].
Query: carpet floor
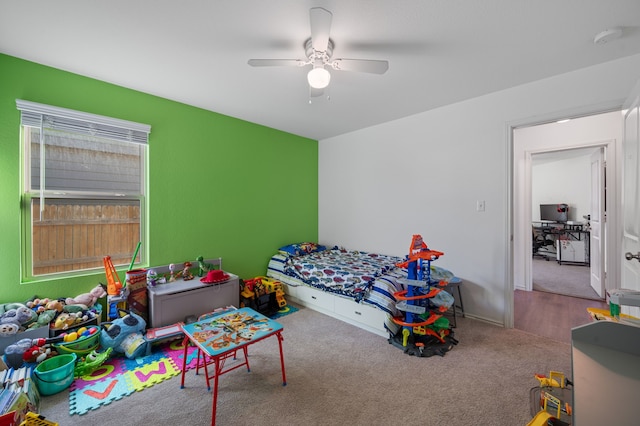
[566, 279]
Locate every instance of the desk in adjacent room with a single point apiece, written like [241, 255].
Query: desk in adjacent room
[221, 335]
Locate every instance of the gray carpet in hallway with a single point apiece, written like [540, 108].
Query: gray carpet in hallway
[567, 279]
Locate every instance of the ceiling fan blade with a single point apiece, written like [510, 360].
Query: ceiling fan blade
[320, 28]
[277, 62]
[361, 65]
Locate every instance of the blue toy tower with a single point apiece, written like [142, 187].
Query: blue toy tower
[419, 335]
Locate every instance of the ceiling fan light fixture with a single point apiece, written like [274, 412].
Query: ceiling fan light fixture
[318, 78]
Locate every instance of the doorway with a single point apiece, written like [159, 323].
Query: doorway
[562, 188]
[554, 139]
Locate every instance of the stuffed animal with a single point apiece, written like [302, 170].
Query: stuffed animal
[203, 267]
[54, 305]
[38, 354]
[125, 335]
[69, 319]
[37, 305]
[8, 329]
[45, 317]
[88, 299]
[22, 316]
[13, 353]
[4, 307]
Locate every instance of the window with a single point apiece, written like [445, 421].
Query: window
[83, 194]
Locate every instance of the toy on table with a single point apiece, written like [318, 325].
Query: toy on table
[125, 335]
[214, 276]
[186, 271]
[203, 267]
[154, 279]
[172, 272]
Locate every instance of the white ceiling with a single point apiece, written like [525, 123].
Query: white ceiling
[196, 51]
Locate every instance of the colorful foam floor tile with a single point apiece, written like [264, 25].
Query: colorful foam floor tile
[120, 377]
[284, 312]
[110, 369]
[151, 374]
[97, 394]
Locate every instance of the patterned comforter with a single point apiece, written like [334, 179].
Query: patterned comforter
[341, 271]
[368, 278]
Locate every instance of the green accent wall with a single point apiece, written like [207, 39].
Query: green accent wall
[218, 186]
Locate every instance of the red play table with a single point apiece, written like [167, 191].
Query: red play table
[220, 336]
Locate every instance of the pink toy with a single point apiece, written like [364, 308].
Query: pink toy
[88, 299]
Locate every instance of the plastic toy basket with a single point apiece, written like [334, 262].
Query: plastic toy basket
[81, 346]
[33, 419]
[55, 374]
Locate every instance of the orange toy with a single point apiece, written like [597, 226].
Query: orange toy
[113, 281]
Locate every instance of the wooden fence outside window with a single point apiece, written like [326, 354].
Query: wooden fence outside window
[75, 235]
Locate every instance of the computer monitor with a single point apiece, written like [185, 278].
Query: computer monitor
[554, 212]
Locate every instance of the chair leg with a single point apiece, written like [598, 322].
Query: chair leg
[460, 298]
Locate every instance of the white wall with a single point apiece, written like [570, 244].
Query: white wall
[563, 180]
[424, 174]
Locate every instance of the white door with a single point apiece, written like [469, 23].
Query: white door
[597, 218]
[630, 277]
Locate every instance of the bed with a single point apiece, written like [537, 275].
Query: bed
[354, 286]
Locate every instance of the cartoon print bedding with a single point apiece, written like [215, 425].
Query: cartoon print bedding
[368, 278]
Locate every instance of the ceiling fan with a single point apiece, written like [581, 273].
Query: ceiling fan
[319, 51]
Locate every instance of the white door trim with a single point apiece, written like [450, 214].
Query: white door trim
[515, 198]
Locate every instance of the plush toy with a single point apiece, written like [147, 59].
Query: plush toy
[67, 319]
[8, 329]
[37, 305]
[13, 353]
[22, 316]
[45, 317]
[54, 305]
[88, 299]
[125, 335]
[203, 267]
[4, 307]
[38, 354]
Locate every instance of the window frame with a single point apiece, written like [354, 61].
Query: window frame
[122, 131]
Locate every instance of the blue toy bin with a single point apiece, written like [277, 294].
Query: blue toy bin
[55, 374]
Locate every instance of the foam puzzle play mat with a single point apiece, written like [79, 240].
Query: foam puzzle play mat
[120, 377]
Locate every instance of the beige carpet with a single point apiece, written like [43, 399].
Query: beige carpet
[339, 374]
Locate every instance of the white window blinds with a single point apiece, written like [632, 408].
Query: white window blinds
[56, 118]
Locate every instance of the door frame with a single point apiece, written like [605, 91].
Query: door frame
[524, 210]
[519, 204]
